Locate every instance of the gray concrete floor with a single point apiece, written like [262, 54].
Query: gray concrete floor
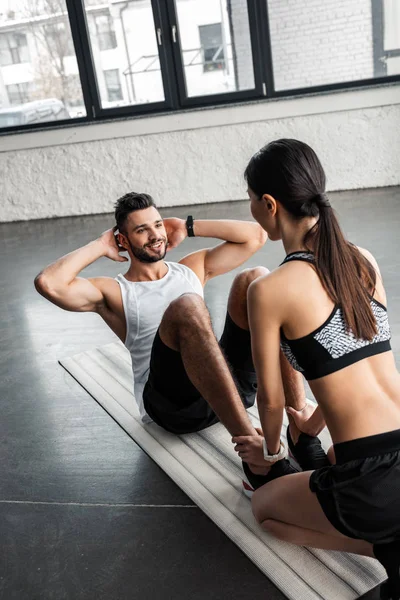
[73, 484]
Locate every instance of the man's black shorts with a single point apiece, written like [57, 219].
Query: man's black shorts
[170, 398]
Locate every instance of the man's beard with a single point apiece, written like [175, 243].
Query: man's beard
[143, 256]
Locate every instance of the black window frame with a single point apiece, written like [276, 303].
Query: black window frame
[172, 69]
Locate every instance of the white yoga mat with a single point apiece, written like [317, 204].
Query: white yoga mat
[207, 469]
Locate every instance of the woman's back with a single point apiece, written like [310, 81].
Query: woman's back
[356, 384]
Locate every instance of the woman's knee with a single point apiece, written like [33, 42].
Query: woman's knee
[261, 513]
[276, 529]
[259, 506]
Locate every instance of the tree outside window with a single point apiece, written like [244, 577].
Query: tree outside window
[59, 39]
[54, 61]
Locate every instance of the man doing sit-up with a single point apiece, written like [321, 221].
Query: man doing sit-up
[181, 377]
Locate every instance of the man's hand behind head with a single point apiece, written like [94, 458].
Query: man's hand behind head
[176, 231]
[112, 248]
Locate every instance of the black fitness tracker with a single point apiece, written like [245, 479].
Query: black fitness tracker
[189, 226]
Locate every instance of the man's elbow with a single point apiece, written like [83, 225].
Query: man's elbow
[42, 285]
[261, 237]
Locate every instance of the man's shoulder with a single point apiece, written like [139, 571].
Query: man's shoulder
[108, 286]
[111, 291]
[105, 282]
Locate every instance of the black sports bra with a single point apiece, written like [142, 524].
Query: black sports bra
[331, 347]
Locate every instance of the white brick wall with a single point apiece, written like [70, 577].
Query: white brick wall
[200, 158]
[317, 43]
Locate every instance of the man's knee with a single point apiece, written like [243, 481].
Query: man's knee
[237, 303]
[247, 276]
[183, 316]
[185, 309]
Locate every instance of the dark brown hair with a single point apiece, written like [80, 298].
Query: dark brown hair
[291, 172]
[129, 203]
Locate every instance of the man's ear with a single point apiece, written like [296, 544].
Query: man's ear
[122, 241]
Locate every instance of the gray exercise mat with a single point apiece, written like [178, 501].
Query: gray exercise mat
[207, 469]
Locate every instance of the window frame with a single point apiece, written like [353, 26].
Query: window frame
[172, 69]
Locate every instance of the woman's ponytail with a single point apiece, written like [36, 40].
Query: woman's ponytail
[345, 273]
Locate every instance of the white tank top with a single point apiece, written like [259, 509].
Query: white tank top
[144, 304]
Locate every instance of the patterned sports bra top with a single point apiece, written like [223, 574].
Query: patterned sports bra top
[331, 347]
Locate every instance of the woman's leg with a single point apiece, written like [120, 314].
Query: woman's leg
[302, 521]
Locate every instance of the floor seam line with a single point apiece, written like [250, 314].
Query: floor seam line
[100, 504]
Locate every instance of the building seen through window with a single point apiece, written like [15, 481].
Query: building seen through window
[13, 48]
[105, 32]
[38, 65]
[212, 46]
[18, 93]
[113, 85]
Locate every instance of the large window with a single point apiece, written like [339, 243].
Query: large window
[215, 46]
[39, 74]
[335, 43]
[87, 60]
[391, 41]
[133, 48]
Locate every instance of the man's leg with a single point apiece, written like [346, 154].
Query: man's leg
[186, 328]
[237, 309]
[237, 347]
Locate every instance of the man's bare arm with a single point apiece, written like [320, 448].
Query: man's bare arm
[241, 240]
[59, 282]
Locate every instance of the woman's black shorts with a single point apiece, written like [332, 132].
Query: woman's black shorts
[170, 398]
[360, 495]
